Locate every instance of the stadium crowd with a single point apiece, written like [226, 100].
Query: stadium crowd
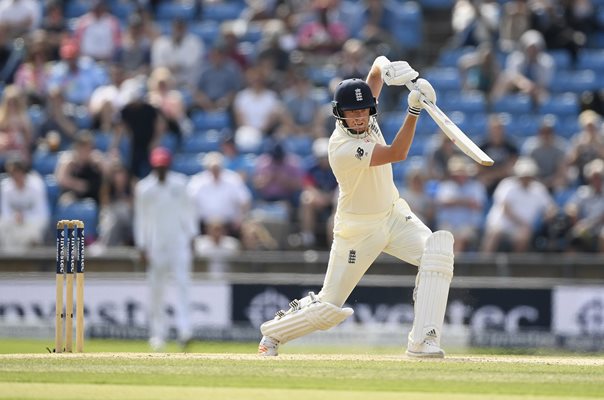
[239, 92]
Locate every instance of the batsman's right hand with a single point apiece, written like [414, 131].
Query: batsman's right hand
[422, 87]
[398, 73]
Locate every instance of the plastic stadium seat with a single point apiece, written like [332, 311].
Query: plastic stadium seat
[390, 124]
[591, 59]
[37, 115]
[321, 76]
[203, 121]
[467, 102]
[561, 59]
[208, 31]
[202, 142]
[122, 10]
[44, 162]
[574, 81]
[76, 8]
[169, 141]
[84, 210]
[450, 57]
[561, 105]
[102, 140]
[299, 145]
[82, 118]
[188, 164]
[52, 191]
[437, 4]
[513, 104]
[443, 78]
[169, 10]
[568, 126]
[407, 28]
[221, 12]
[321, 95]
[595, 40]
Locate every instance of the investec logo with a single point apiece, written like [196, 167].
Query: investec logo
[62, 252]
[81, 251]
[358, 94]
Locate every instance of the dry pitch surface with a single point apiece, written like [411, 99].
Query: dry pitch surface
[237, 375]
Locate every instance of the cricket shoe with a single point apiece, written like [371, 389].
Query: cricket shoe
[426, 349]
[268, 347]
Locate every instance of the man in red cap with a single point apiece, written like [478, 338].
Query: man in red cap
[164, 229]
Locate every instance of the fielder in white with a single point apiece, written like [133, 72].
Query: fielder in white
[164, 229]
[371, 218]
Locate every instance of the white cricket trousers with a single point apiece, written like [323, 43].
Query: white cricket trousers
[164, 270]
[359, 240]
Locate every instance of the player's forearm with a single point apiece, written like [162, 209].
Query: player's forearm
[404, 138]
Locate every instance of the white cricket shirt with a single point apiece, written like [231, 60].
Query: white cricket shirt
[363, 189]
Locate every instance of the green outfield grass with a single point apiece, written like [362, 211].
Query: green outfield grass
[124, 370]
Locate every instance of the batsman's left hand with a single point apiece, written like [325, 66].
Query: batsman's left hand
[398, 73]
[423, 87]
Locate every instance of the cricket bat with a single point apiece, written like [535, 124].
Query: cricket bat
[457, 136]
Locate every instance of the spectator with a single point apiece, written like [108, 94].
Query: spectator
[135, 54]
[273, 48]
[318, 191]
[479, 70]
[438, 154]
[60, 120]
[301, 109]
[164, 96]
[528, 70]
[581, 15]
[278, 176]
[24, 211]
[586, 210]
[79, 171]
[219, 81]
[353, 60]
[548, 150]
[230, 41]
[98, 33]
[54, 25]
[216, 246]
[256, 105]
[515, 20]
[475, 22]
[142, 123]
[520, 203]
[11, 55]
[115, 222]
[322, 35]
[181, 53]
[588, 144]
[164, 230]
[16, 131]
[460, 202]
[77, 77]
[219, 194]
[413, 190]
[105, 103]
[255, 236]
[32, 75]
[20, 16]
[502, 150]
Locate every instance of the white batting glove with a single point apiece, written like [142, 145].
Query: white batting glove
[422, 87]
[398, 73]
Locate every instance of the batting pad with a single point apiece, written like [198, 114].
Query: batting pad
[432, 288]
[305, 316]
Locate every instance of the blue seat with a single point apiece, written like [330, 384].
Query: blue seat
[122, 10]
[102, 140]
[208, 31]
[82, 118]
[467, 102]
[52, 191]
[444, 78]
[37, 115]
[221, 12]
[564, 104]
[188, 164]
[85, 210]
[591, 59]
[513, 104]
[322, 75]
[390, 123]
[203, 121]
[561, 58]
[299, 145]
[202, 142]
[450, 57]
[170, 142]
[574, 81]
[76, 8]
[437, 4]
[45, 163]
[407, 27]
[168, 10]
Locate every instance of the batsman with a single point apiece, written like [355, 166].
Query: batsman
[371, 218]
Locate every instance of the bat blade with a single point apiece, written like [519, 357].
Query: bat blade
[457, 136]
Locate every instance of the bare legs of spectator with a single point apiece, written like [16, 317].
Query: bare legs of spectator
[312, 202]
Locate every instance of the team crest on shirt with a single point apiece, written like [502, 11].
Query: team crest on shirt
[352, 257]
[360, 153]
